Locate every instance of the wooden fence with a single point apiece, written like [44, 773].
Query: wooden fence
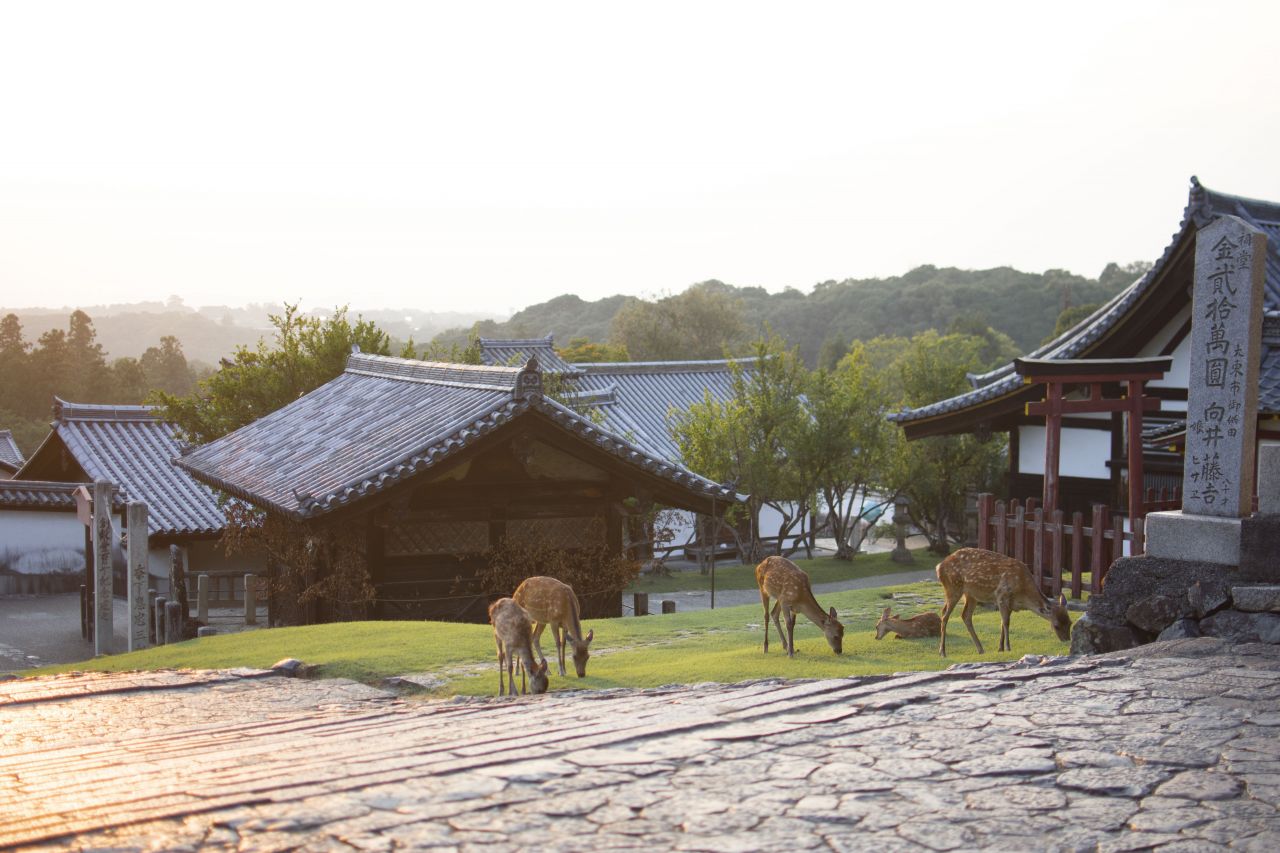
[1061, 551]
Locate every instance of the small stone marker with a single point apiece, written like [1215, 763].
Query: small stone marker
[137, 592]
[250, 600]
[668, 606]
[159, 618]
[1226, 348]
[172, 621]
[151, 615]
[202, 598]
[206, 631]
[103, 594]
[641, 602]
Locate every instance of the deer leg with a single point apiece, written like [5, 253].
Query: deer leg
[1006, 608]
[523, 686]
[562, 637]
[537, 639]
[946, 615]
[782, 635]
[967, 616]
[502, 663]
[791, 633]
[764, 599]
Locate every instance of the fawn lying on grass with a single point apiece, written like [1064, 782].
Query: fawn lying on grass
[985, 577]
[551, 602]
[513, 634]
[787, 582]
[923, 625]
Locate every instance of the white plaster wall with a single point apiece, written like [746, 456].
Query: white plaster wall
[1179, 373]
[1084, 452]
[41, 542]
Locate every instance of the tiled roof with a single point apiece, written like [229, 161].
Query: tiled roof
[10, 455]
[515, 352]
[41, 494]
[384, 420]
[645, 393]
[1202, 205]
[133, 448]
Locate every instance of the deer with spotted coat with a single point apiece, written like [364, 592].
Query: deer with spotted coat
[513, 634]
[985, 577]
[787, 582]
[922, 625]
[552, 602]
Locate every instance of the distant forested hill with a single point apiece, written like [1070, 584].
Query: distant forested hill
[1022, 305]
[211, 333]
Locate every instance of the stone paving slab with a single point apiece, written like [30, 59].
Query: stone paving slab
[1079, 754]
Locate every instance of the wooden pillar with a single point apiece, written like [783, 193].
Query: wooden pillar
[1052, 445]
[1136, 507]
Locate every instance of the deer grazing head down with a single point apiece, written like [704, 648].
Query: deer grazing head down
[985, 577]
[785, 581]
[551, 602]
[513, 635]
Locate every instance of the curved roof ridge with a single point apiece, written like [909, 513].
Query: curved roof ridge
[65, 410]
[663, 366]
[547, 340]
[433, 372]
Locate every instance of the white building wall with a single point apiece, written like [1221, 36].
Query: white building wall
[1084, 452]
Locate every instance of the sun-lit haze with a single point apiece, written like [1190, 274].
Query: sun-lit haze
[490, 156]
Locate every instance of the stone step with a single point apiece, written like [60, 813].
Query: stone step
[1261, 598]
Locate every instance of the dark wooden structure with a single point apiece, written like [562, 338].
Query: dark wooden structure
[437, 464]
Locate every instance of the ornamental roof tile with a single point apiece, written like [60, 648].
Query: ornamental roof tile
[384, 420]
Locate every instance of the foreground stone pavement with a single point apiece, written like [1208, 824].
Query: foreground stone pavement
[1174, 746]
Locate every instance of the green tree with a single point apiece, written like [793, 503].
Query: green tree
[1069, 317]
[844, 447]
[747, 439]
[305, 353]
[88, 376]
[703, 322]
[15, 379]
[934, 473]
[165, 368]
[128, 381]
[580, 350]
[51, 369]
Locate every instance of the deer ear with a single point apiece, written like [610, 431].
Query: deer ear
[832, 613]
[1062, 600]
[885, 614]
[591, 635]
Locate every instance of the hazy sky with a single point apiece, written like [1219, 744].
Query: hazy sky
[489, 156]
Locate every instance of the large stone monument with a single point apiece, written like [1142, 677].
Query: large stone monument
[139, 629]
[1222, 398]
[1200, 563]
[103, 576]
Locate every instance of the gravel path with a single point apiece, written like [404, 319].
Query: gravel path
[1174, 746]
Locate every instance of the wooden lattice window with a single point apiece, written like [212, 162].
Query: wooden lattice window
[581, 532]
[420, 538]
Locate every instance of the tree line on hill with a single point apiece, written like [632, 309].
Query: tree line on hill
[712, 318]
[71, 364]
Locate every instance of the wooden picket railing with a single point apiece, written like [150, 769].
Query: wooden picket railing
[1060, 551]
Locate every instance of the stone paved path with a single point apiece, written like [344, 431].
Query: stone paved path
[1173, 747]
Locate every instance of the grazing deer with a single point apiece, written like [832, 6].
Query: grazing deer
[553, 603]
[513, 634]
[923, 625]
[787, 582]
[985, 577]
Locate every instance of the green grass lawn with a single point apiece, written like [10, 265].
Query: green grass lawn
[723, 645]
[731, 575]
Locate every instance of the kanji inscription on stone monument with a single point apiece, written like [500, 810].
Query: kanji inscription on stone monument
[1222, 394]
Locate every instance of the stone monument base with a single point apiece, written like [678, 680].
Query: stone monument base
[1199, 538]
